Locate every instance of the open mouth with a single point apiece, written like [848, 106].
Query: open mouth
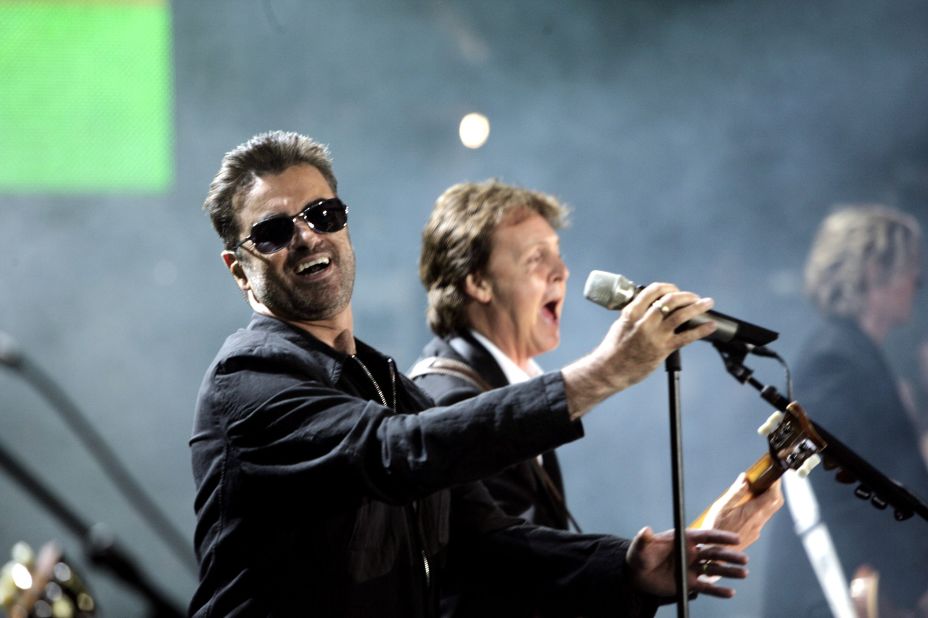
[311, 267]
[549, 310]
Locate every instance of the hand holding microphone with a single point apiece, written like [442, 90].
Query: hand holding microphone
[647, 331]
[614, 291]
[655, 321]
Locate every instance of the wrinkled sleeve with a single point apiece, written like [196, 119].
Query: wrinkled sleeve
[279, 427]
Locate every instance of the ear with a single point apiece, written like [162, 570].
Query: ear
[478, 288]
[235, 267]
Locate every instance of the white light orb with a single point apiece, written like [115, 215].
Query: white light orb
[474, 130]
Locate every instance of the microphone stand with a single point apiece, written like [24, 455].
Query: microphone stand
[673, 366]
[873, 485]
[97, 447]
[99, 545]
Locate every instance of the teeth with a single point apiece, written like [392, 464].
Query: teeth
[321, 261]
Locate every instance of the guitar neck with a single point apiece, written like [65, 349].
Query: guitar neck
[792, 443]
[759, 477]
[763, 474]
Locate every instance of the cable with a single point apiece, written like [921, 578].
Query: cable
[789, 376]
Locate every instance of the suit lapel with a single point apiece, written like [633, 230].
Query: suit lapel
[479, 358]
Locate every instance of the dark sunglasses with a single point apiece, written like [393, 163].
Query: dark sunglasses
[322, 216]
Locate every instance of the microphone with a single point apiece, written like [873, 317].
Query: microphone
[614, 291]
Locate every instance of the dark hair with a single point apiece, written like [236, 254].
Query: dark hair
[266, 153]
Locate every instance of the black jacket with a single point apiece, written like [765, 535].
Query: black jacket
[520, 490]
[845, 384]
[313, 498]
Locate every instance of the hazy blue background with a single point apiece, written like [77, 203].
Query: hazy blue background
[697, 141]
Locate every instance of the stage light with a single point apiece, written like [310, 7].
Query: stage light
[21, 576]
[474, 130]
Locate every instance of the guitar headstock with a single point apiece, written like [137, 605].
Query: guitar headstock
[43, 585]
[795, 442]
[792, 444]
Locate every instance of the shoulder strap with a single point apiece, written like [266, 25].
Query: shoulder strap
[448, 367]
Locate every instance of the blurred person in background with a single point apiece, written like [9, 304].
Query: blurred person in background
[862, 274]
[915, 397]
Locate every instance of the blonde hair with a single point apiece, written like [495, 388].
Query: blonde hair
[849, 244]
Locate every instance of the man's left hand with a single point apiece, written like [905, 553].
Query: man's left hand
[652, 561]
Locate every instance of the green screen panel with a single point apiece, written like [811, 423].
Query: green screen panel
[86, 96]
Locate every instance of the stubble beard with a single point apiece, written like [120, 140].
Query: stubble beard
[311, 302]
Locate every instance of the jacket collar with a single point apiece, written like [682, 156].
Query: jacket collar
[331, 360]
[474, 354]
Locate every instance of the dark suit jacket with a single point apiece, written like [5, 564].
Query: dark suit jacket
[845, 384]
[313, 498]
[519, 489]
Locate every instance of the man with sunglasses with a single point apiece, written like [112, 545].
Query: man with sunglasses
[326, 485]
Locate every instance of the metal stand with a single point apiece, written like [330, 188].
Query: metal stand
[673, 367]
[83, 429]
[99, 545]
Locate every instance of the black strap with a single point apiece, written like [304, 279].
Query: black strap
[548, 482]
[457, 369]
[449, 367]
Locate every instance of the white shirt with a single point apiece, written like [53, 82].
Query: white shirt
[514, 373]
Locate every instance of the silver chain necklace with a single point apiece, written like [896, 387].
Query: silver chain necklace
[370, 376]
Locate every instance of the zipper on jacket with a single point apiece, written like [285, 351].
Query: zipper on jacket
[420, 538]
[428, 570]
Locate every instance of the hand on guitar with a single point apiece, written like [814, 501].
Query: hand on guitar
[739, 510]
[756, 495]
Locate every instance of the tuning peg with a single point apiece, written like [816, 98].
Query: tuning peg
[808, 465]
[863, 492]
[844, 476]
[772, 422]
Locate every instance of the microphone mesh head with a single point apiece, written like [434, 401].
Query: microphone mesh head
[608, 290]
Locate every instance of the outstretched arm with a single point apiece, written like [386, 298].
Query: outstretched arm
[637, 342]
